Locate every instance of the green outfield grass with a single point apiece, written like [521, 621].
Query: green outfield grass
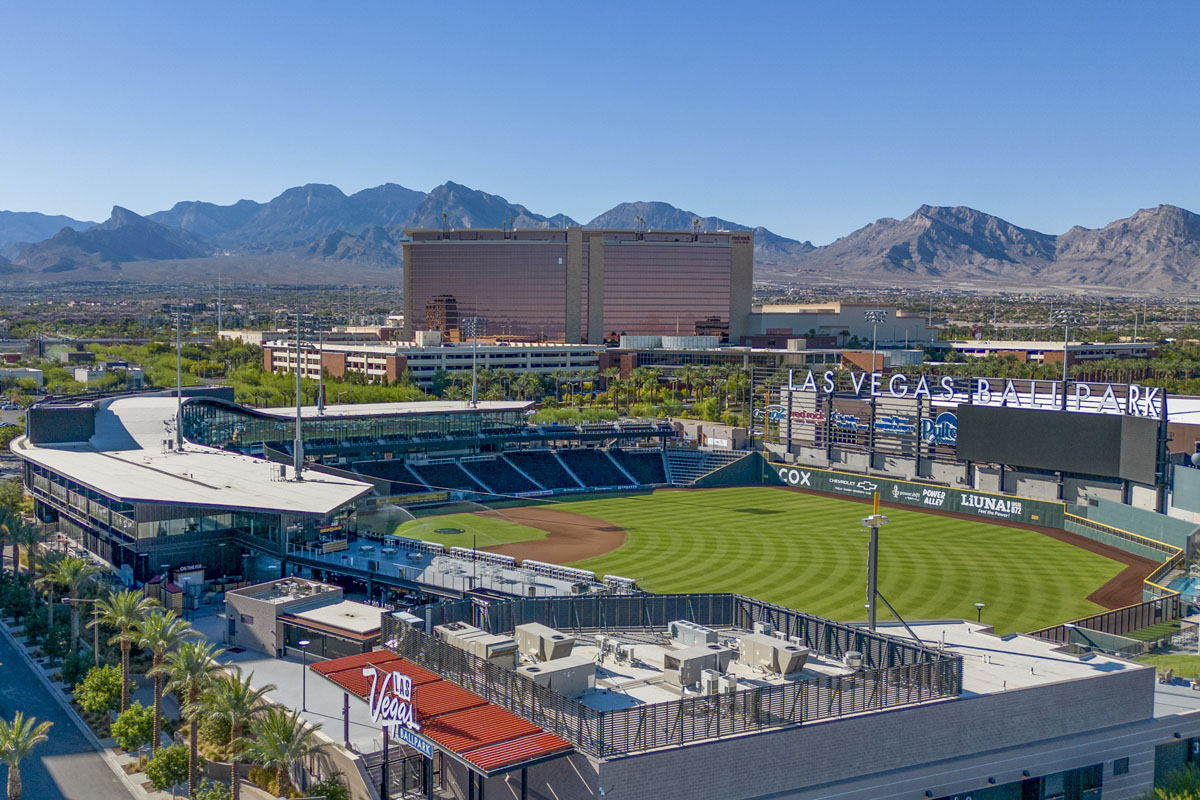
[809, 552]
[489, 528]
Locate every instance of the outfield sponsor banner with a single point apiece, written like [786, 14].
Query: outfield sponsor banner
[924, 495]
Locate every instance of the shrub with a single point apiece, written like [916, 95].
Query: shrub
[214, 734]
[264, 777]
[135, 727]
[100, 690]
[169, 767]
[213, 791]
[333, 788]
[74, 668]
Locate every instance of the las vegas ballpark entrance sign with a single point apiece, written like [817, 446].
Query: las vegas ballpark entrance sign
[931, 497]
[1099, 398]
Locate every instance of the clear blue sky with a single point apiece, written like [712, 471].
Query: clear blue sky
[810, 119]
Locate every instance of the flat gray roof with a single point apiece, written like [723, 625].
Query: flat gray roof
[125, 459]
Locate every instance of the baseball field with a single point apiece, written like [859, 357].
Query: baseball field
[808, 552]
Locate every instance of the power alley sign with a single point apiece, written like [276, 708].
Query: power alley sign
[922, 495]
[1096, 398]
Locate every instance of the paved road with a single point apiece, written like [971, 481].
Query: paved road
[65, 767]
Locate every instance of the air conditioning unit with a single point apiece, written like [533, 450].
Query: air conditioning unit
[546, 643]
[688, 634]
[773, 655]
[625, 653]
[853, 659]
[765, 628]
[710, 681]
[729, 684]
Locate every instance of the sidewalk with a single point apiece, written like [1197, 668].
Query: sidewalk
[137, 784]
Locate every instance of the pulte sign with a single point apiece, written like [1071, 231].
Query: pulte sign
[923, 495]
[393, 708]
[1101, 398]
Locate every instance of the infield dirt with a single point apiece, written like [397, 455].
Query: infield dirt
[569, 537]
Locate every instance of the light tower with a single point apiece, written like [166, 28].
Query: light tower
[1066, 317]
[875, 521]
[874, 316]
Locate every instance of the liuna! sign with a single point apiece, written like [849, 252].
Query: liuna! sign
[392, 706]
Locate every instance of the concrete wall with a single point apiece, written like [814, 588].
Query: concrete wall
[987, 479]
[900, 753]
[1175, 532]
[1185, 493]
[1029, 484]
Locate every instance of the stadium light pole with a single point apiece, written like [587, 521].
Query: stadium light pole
[874, 316]
[874, 522]
[1066, 317]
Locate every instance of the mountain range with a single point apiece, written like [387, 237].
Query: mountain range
[318, 234]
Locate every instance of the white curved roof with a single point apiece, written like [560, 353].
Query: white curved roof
[125, 459]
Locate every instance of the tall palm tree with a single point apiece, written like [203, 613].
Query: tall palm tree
[73, 573]
[17, 738]
[30, 537]
[190, 670]
[124, 611]
[231, 698]
[160, 633]
[278, 740]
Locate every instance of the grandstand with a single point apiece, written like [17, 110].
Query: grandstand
[646, 466]
[685, 466]
[499, 475]
[543, 467]
[593, 467]
[445, 475]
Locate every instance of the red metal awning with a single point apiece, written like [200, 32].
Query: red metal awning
[490, 738]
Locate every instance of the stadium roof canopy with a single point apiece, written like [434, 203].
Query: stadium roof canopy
[125, 458]
[396, 409]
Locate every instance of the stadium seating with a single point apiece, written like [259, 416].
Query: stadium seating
[499, 476]
[646, 466]
[593, 467]
[446, 476]
[543, 468]
[685, 466]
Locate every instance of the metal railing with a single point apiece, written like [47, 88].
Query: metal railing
[896, 672]
[1120, 621]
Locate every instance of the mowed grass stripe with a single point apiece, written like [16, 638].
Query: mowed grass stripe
[809, 552]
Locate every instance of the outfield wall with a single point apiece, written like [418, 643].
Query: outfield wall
[926, 496]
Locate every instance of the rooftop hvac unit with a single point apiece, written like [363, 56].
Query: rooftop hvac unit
[499, 650]
[567, 676]
[853, 659]
[765, 628]
[409, 619]
[710, 681]
[773, 655]
[683, 667]
[543, 642]
[453, 633]
[728, 684]
[626, 653]
[688, 634]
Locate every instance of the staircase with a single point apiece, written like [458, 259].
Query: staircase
[685, 466]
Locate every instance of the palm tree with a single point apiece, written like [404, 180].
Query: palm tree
[72, 573]
[161, 632]
[190, 670]
[278, 740]
[124, 611]
[30, 537]
[17, 738]
[231, 698]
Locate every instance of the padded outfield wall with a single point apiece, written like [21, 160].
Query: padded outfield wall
[926, 496]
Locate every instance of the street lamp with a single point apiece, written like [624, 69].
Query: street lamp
[303, 644]
[95, 624]
[874, 316]
[1066, 317]
[979, 612]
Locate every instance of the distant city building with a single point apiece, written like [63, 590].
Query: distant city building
[12, 375]
[579, 285]
[839, 320]
[1052, 352]
[424, 357]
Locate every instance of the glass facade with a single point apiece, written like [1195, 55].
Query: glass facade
[660, 288]
[514, 288]
[236, 428]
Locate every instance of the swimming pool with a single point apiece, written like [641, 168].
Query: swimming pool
[1188, 587]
